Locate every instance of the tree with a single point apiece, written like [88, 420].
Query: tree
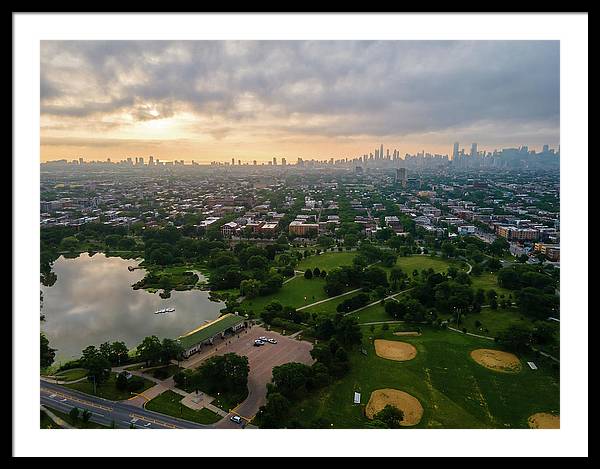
[396, 276]
[391, 416]
[291, 379]
[86, 415]
[74, 414]
[273, 414]
[516, 338]
[308, 274]
[96, 363]
[171, 350]
[150, 350]
[250, 288]
[47, 353]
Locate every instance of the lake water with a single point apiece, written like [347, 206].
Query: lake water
[92, 302]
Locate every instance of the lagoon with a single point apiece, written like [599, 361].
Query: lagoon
[92, 302]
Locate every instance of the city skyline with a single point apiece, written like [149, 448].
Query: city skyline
[253, 100]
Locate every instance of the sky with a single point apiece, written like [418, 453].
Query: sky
[216, 100]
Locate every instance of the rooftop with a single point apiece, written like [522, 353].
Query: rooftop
[210, 329]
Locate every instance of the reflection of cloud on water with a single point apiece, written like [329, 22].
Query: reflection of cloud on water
[92, 301]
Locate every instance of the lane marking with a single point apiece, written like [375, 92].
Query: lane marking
[148, 419]
[76, 399]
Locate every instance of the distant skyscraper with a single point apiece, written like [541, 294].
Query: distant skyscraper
[232, 161]
[80, 160]
[239, 162]
[381, 151]
[545, 149]
[151, 160]
[473, 150]
[455, 152]
[254, 162]
[141, 160]
[274, 161]
[283, 161]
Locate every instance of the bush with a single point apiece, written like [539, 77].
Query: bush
[135, 383]
[161, 373]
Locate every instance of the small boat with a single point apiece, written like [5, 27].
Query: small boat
[164, 310]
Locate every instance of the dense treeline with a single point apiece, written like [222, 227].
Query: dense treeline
[293, 382]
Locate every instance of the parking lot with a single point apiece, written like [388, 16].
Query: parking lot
[261, 359]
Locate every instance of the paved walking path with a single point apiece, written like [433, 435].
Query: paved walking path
[50, 379]
[379, 322]
[378, 301]
[328, 299]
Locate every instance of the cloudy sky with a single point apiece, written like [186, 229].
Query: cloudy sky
[214, 100]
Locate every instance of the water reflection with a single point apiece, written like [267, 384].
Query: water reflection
[92, 302]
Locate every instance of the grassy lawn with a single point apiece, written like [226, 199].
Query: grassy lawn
[410, 263]
[291, 294]
[169, 403]
[454, 390]
[46, 422]
[77, 423]
[488, 281]
[108, 390]
[372, 314]
[71, 375]
[327, 261]
[170, 370]
[493, 320]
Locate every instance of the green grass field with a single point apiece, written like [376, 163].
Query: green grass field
[46, 422]
[454, 390]
[327, 261]
[71, 375]
[410, 263]
[291, 294]
[488, 281]
[493, 320]
[108, 389]
[169, 403]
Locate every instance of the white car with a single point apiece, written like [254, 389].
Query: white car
[235, 419]
[258, 342]
[271, 341]
[264, 339]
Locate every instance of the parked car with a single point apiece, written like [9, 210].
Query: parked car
[271, 340]
[264, 339]
[236, 419]
[258, 343]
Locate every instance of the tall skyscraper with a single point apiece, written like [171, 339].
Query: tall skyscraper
[283, 161]
[455, 152]
[381, 151]
[274, 161]
[473, 150]
[151, 160]
[232, 161]
[142, 160]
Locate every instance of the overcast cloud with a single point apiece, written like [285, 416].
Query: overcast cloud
[488, 91]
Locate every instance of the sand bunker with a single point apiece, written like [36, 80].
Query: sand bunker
[394, 350]
[413, 334]
[409, 405]
[544, 420]
[497, 360]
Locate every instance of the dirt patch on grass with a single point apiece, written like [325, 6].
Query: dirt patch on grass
[497, 360]
[394, 350]
[544, 420]
[409, 405]
[412, 334]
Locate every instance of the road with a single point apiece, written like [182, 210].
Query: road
[104, 412]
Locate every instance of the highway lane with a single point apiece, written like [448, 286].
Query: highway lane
[104, 412]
